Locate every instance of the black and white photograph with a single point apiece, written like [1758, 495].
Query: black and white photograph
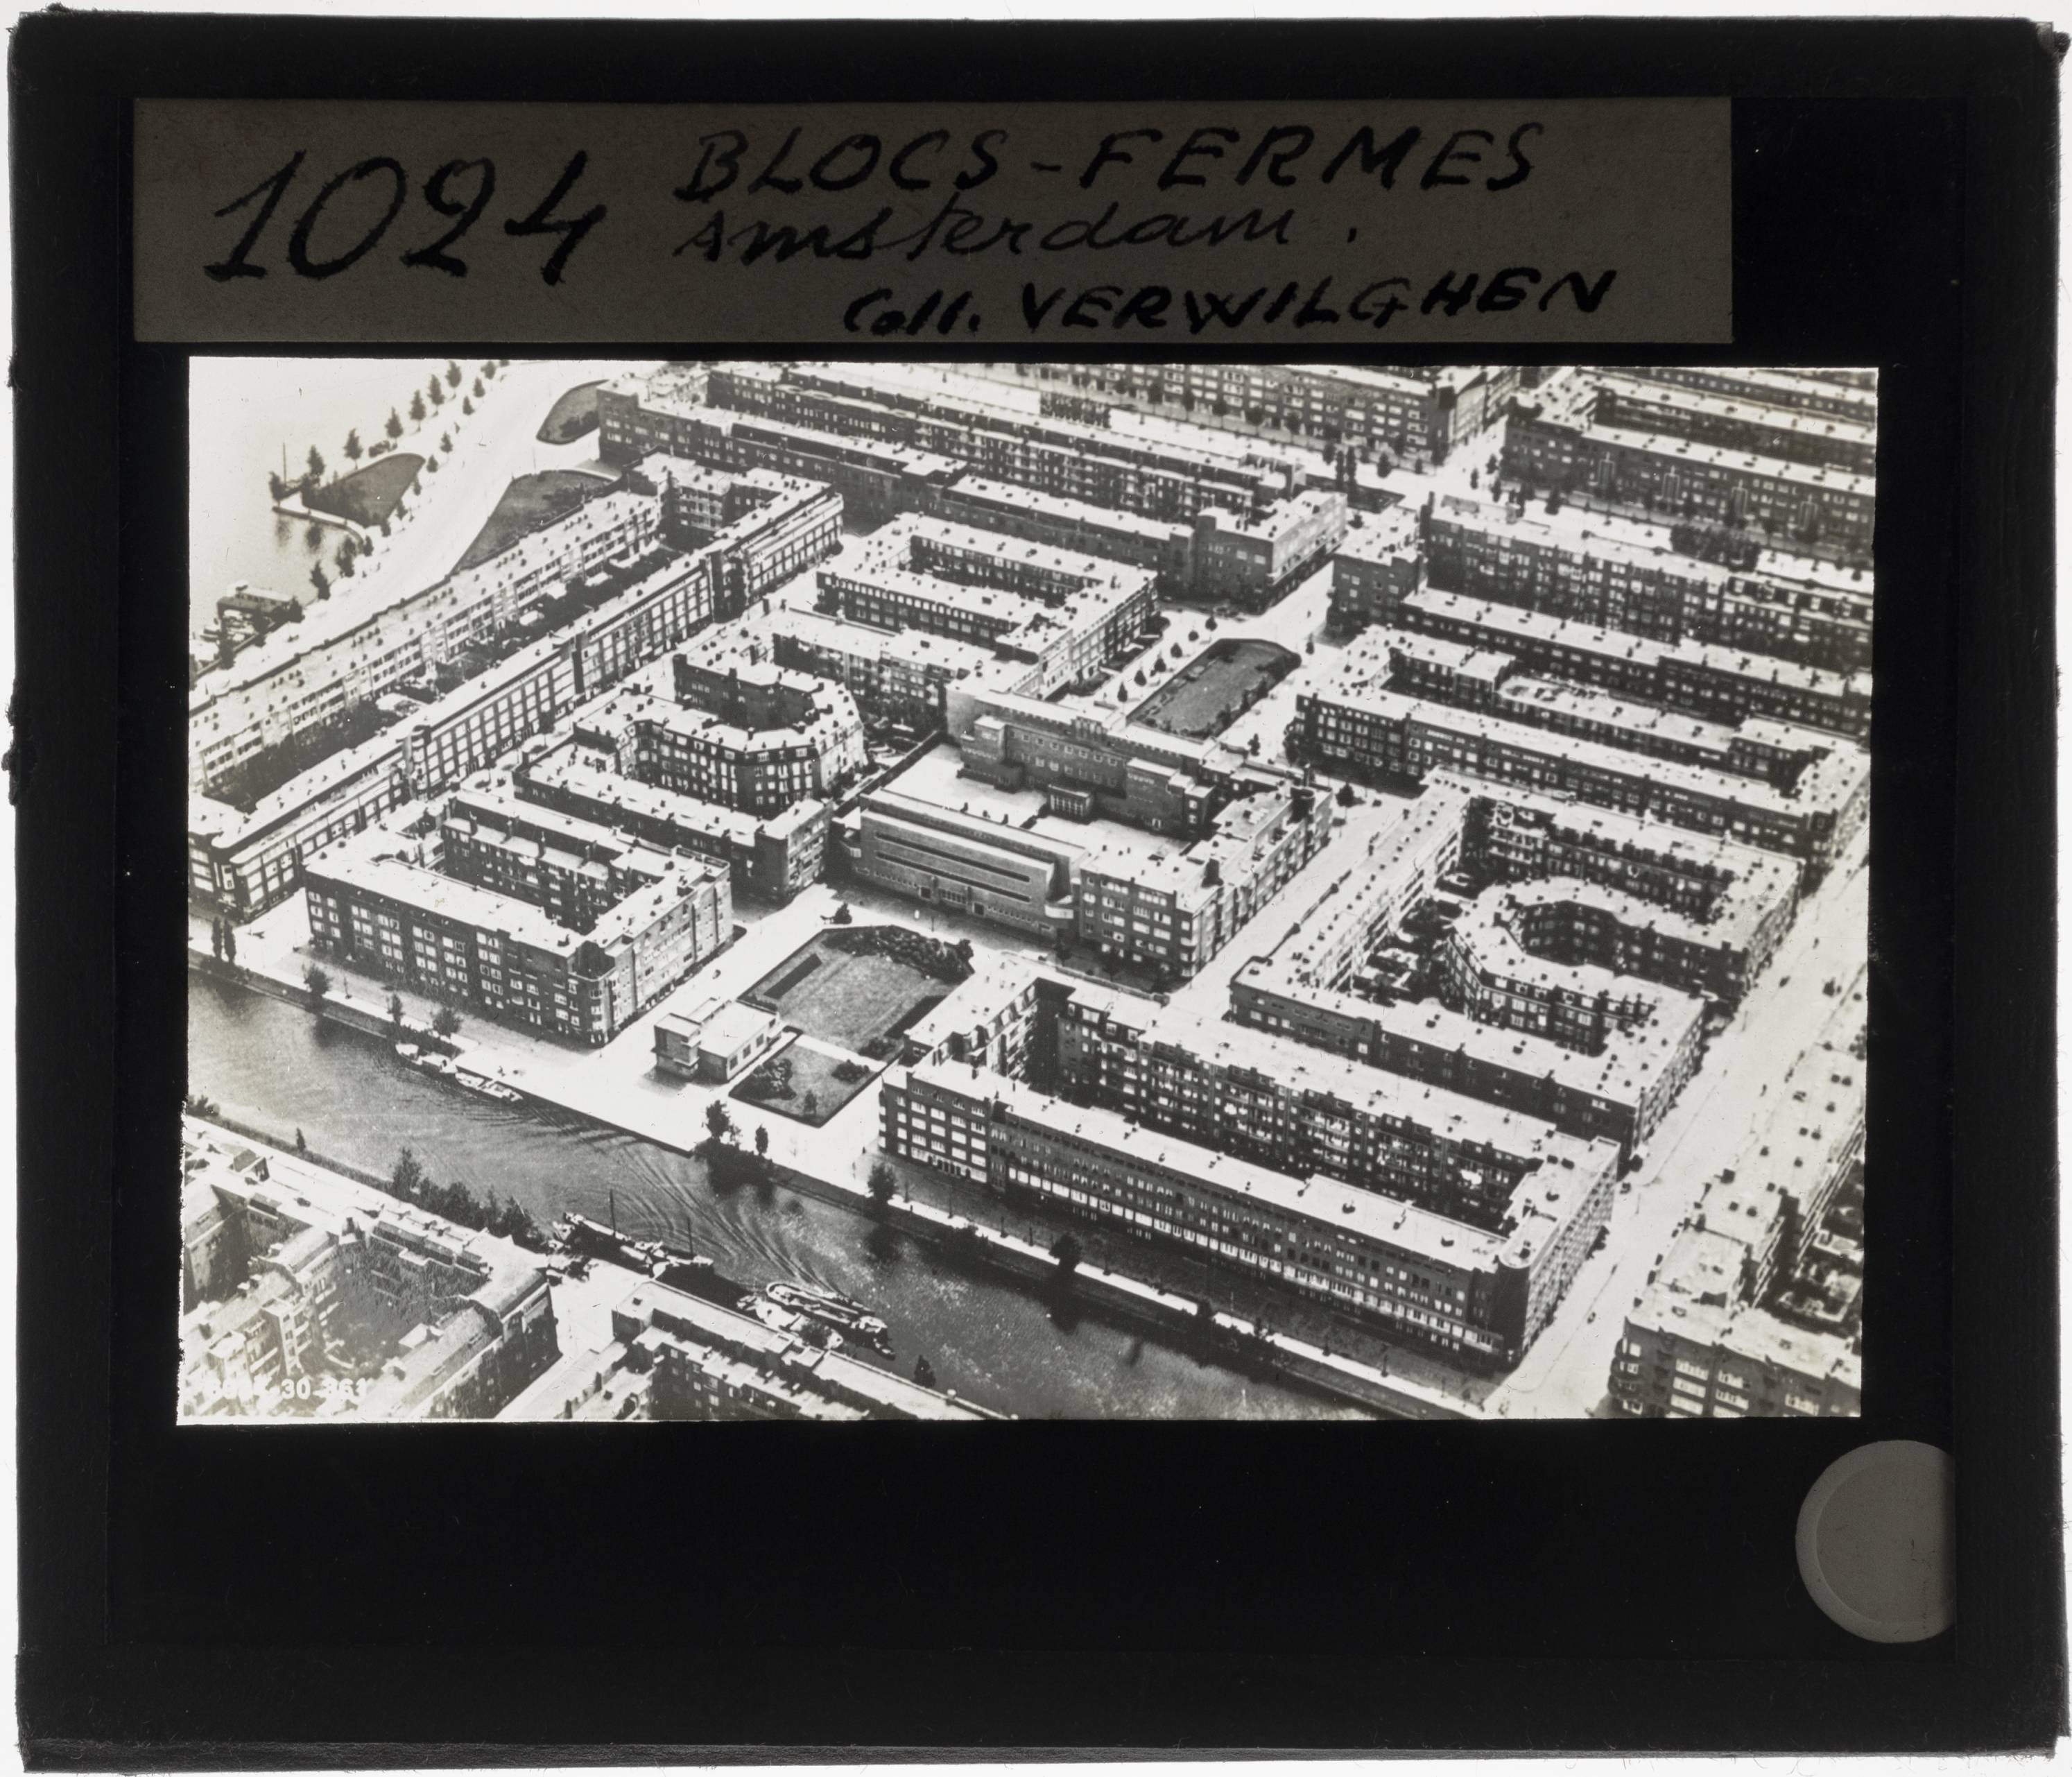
[845, 890]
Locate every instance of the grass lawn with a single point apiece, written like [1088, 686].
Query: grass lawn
[1212, 690]
[527, 504]
[367, 496]
[797, 1071]
[848, 999]
[573, 415]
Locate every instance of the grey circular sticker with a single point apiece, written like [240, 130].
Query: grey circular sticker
[1875, 1541]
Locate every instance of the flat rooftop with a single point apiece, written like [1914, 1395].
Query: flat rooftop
[932, 779]
[1545, 1201]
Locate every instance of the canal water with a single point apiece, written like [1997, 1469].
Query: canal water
[246, 416]
[273, 1066]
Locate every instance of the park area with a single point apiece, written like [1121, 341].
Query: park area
[573, 415]
[859, 987]
[1212, 690]
[805, 1083]
[367, 496]
[529, 503]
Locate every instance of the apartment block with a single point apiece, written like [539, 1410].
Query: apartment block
[635, 609]
[1378, 562]
[1712, 1338]
[1622, 574]
[1742, 420]
[897, 677]
[379, 902]
[1700, 679]
[1825, 511]
[1061, 614]
[1422, 414]
[1594, 1052]
[1171, 913]
[772, 856]
[1354, 723]
[1480, 1294]
[328, 1297]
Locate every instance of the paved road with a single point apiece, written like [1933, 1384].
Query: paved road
[1567, 1372]
[491, 446]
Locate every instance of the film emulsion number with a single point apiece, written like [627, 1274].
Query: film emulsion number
[460, 190]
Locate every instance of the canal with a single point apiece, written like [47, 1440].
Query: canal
[273, 1066]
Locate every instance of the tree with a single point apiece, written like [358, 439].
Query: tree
[1347, 796]
[446, 440]
[489, 369]
[880, 1184]
[393, 425]
[396, 1010]
[384, 527]
[478, 388]
[215, 936]
[432, 464]
[407, 1180]
[354, 449]
[301, 1143]
[418, 407]
[719, 1126]
[842, 915]
[453, 376]
[438, 395]
[1068, 1253]
[812, 1104]
[761, 1141]
[317, 981]
[467, 404]
[344, 559]
[229, 942]
[316, 464]
[277, 490]
[446, 1021]
[320, 580]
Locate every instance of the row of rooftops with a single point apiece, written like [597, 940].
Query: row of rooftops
[563, 765]
[1517, 691]
[1440, 1114]
[1772, 416]
[1304, 967]
[1625, 714]
[222, 822]
[1546, 1199]
[1752, 883]
[1776, 385]
[1485, 937]
[381, 861]
[1516, 623]
[1797, 1134]
[1616, 540]
[919, 650]
[308, 1197]
[984, 491]
[1836, 776]
[1737, 457]
[834, 715]
[332, 620]
[983, 402]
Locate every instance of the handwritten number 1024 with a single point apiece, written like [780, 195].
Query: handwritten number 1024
[460, 190]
